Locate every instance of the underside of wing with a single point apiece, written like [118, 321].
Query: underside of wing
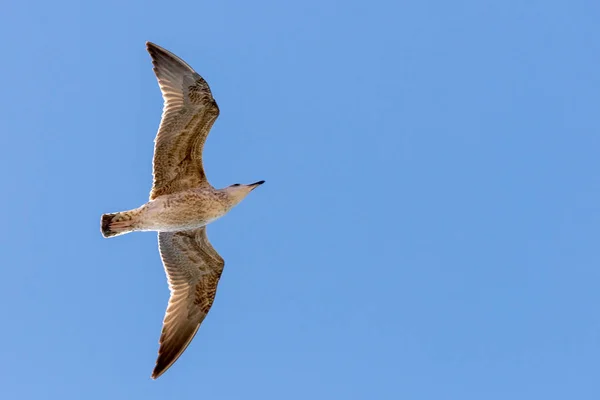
[189, 112]
[193, 269]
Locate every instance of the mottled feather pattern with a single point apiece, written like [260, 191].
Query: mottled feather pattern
[193, 268]
[189, 112]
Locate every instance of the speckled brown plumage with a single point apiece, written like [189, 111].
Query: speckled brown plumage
[188, 114]
[182, 202]
[193, 269]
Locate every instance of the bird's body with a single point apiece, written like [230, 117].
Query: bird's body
[189, 209]
[181, 204]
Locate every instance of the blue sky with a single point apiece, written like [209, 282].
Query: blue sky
[428, 230]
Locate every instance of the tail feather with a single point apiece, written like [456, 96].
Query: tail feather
[115, 224]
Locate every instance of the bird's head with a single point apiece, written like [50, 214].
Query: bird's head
[237, 192]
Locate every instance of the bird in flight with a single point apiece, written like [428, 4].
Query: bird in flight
[181, 204]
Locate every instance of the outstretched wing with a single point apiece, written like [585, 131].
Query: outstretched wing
[193, 269]
[189, 112]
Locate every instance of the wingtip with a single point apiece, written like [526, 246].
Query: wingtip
[160, 368]
[156, 374]
[151, 46]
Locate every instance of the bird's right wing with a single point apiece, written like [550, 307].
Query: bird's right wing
[193, 269]
[189, 112]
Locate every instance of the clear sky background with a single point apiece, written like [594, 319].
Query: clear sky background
[429, 228]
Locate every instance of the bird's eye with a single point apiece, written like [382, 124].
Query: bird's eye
[236, 184]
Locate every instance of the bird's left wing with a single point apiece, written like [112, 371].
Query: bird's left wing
[193, 269]
[189, 112]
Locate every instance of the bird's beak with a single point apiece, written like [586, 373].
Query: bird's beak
[256, 184]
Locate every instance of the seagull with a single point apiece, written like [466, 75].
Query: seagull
[182, 202]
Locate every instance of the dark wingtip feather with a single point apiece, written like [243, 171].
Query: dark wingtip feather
[161, 367]
[152, 46]
[156, 374]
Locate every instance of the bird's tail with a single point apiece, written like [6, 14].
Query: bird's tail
[116, 224]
